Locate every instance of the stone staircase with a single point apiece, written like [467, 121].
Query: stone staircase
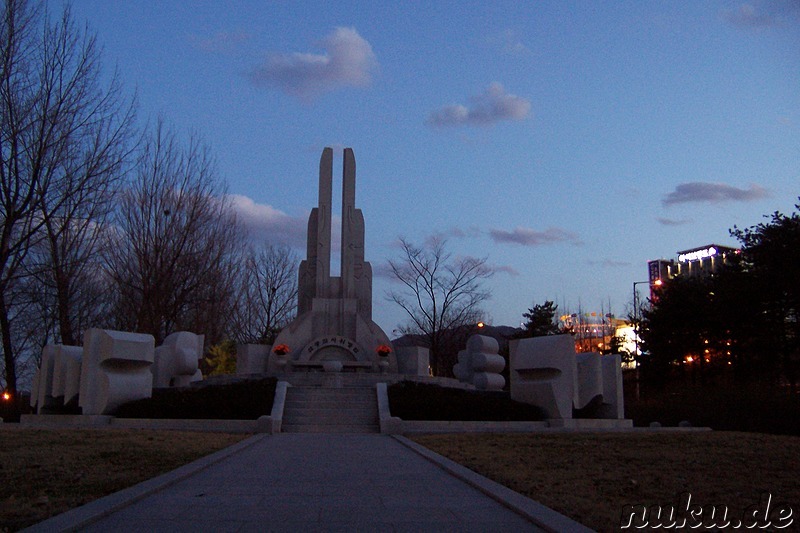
[325, 409]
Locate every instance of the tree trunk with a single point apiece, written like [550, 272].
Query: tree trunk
[64, 318]
[8, 354]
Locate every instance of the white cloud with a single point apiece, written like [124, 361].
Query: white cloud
[712, 192]
[265, 223]
[673, 222]
[493, 105]
[453, 233]
[531, 237]
[348, 61]
[504, 269]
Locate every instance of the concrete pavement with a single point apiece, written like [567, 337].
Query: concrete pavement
[316, 482]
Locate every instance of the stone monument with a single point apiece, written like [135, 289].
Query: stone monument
[176, 362]
[546, 371]
[334, 313]
[480, 364]
[115, 369]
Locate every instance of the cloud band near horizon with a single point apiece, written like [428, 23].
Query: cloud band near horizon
[712, 192]
[531, 237]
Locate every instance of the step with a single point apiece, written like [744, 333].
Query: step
[328, 413]
[327, 409]
[330, 401]
[322, 404]
[313, 410]
[341, 420]
[339, 428]
[344, 391]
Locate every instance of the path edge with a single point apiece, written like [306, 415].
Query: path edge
[538, 514]
[91, 512]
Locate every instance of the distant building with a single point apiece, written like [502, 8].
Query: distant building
[705, 259]
[691, 262]
[593, 331]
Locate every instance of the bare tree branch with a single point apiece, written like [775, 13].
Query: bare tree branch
[63, 143]
[175, 255]
[440, 295]
[267, 297]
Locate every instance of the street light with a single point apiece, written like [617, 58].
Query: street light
[636, 321]
[657, 283]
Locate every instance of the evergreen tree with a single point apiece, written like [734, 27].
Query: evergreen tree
[542, 320]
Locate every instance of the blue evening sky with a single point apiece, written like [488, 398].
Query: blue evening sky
[570, 142]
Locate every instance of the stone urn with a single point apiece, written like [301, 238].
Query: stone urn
[281, 352]
[383, 357]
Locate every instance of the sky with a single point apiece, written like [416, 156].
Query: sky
[567, 142]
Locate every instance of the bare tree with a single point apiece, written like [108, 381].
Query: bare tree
[74, 216]
[173, 259]
[267, 297]
[441, 295]
[60, 130]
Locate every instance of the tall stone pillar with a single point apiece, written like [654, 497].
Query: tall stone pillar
[323, 273]
[334, 319]
[356, 272]
[314, 275]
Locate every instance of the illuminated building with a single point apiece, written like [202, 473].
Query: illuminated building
[692, 262]
[705, 259]
[592, 331]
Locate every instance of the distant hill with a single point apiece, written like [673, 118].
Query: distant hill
[501, 333]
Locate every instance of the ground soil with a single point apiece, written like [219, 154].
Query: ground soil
[590, 477]
[46, 472]
[586, 476]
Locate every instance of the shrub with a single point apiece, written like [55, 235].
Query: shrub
[244, 400]
[721, 404]
[421, 401]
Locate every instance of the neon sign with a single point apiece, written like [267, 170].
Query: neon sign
[698, 255]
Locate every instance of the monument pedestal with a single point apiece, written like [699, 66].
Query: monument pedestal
[334, 313]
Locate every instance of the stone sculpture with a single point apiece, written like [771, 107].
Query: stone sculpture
[44, 391]
[480, 364]
[67, 374]
[115, 369]
[546, 371]
[176, 362]
[252, 358]
[413, 360]
[334, 313]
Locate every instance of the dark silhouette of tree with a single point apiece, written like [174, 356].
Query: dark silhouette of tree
[541, 320]
[63, 137]
[744, 315]
[176, 250]
[771, 254]
[441, 294]
[675, 327]
[267, 297]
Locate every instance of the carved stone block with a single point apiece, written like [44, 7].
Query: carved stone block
[115, 369]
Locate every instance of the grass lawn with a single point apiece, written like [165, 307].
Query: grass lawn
[46, 472]
[591, 476]
[587, 476]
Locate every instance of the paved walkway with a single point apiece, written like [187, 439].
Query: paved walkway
[307, 482]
